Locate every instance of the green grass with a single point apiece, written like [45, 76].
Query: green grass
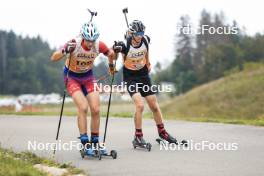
[6, 96]
[255, 122]
[125, 109]
[236, 98]
[13, 164]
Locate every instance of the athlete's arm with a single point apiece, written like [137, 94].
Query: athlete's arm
[112, 56]
[67, 48]
[107, 52]
[57, 55]
[147, 54]
[147, 61]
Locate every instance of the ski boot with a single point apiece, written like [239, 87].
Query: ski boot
[86, 150]
[141, 143]
[166, 137]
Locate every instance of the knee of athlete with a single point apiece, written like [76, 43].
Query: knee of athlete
[95, 110]
[83, 109]
[154, 108]
[140, 107]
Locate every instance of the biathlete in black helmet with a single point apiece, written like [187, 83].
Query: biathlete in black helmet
[136, 68]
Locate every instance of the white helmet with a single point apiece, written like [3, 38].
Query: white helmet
[89, 31]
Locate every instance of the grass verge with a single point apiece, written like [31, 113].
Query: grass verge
[13, 164]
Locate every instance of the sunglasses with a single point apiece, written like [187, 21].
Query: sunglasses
[90, 41]
[139, 34]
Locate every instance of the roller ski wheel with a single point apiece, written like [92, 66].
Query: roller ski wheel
[94, 150]
[89, 152]
[82, 151]
[134, 144]
[103, 152]
[99, 155]
[113, 153]
[184, 143]
[95, 154]
[148, 147]
[141, 143]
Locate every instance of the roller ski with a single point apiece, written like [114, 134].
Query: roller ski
[94, 149]
[141, 143]
[165, 137]
[97, 153]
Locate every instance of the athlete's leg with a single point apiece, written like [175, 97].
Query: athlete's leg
[94, 104]
[82, 105]
[154, 107]
[139, 106]
[74, 89]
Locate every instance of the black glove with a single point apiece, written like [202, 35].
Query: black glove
[118, 46]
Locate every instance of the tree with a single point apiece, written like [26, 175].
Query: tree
[3, 60]
[218, 59]
[182, 67]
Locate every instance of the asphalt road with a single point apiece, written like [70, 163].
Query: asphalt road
[247, 160]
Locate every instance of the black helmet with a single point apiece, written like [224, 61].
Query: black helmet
[136, 26]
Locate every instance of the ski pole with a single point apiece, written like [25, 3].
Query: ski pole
[125, 11]
[92, 14]
[109, 102]
[63, 100]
